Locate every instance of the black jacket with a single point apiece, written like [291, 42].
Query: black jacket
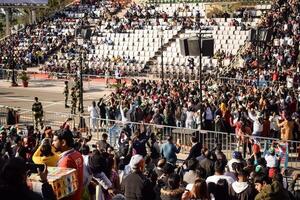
[195, 151]
[176, 194]
[241, 191]
[137, 187]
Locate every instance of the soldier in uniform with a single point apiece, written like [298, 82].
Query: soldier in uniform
[66, 93]
[74, 100]
[37, 110]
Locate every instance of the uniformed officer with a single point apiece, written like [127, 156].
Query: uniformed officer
[66, 93]
[37, 110]
[74, 100]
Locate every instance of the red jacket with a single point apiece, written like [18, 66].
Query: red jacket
[73, 159]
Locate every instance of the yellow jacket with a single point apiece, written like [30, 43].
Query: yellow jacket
[48, 160]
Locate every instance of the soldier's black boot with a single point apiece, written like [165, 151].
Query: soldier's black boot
[66, 106]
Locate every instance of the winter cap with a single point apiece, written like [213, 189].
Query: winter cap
[236, 155]
[135, 160]
[271, 150]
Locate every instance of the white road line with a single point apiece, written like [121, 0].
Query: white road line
[23, 99]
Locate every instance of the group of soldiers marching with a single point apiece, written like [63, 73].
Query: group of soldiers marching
[75, 95]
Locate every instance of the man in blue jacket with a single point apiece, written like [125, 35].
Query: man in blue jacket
[169, 150]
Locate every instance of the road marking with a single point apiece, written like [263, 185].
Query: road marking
[29, 100]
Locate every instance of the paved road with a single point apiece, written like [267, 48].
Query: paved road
[49, 93]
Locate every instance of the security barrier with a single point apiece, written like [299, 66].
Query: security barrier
[210, 139]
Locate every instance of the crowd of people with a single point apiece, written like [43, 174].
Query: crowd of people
[140, 167]
[278, 61]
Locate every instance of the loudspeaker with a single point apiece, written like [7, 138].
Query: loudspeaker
[191, 47]
[208, 47]
[86, 33]
[184, 49]
[264, 35]
[252, 35]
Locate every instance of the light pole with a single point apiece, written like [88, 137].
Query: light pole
[81, 82]
[162, 53]
[200, 37]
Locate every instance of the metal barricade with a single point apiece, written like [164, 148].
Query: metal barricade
[289, 150]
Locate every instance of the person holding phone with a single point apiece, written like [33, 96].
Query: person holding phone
[45, 154]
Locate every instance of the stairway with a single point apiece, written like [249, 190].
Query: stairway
[153, 60]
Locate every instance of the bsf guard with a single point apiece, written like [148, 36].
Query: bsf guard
[37, 110]
[66, 93]
[74, 100]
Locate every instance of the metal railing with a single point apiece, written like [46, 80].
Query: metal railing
[209, 139]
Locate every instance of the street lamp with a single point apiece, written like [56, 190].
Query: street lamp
[200, 36]
[198, 46]
[82, 62]
[162, 53]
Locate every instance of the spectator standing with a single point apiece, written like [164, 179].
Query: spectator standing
[169, 150]
[94, 115]
[219, 174]
[136, 186]
[196, 148]
[66, 93]
[103, 145]
[69, 158]
[172, 191]
[45, 154]
[38, 112]
[241, 189]
[198, 191]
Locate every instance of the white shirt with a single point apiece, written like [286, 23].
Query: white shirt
[271, 160]
[273, 125]
[216, 178]
[289, 82]
[94, 113]
[189, 116]
[257, 126]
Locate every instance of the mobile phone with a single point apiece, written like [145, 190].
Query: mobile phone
[33, 168]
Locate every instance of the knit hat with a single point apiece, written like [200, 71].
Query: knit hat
[135, 160]
[271, 150]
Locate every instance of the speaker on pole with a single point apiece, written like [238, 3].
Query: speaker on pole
[191, 46]
[208, 47]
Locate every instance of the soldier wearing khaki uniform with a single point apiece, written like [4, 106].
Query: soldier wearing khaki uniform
[37, 110]
[66, 93]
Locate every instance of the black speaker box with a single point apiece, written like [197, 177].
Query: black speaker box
[191, 47]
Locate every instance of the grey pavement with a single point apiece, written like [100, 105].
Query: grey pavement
[50, 93]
